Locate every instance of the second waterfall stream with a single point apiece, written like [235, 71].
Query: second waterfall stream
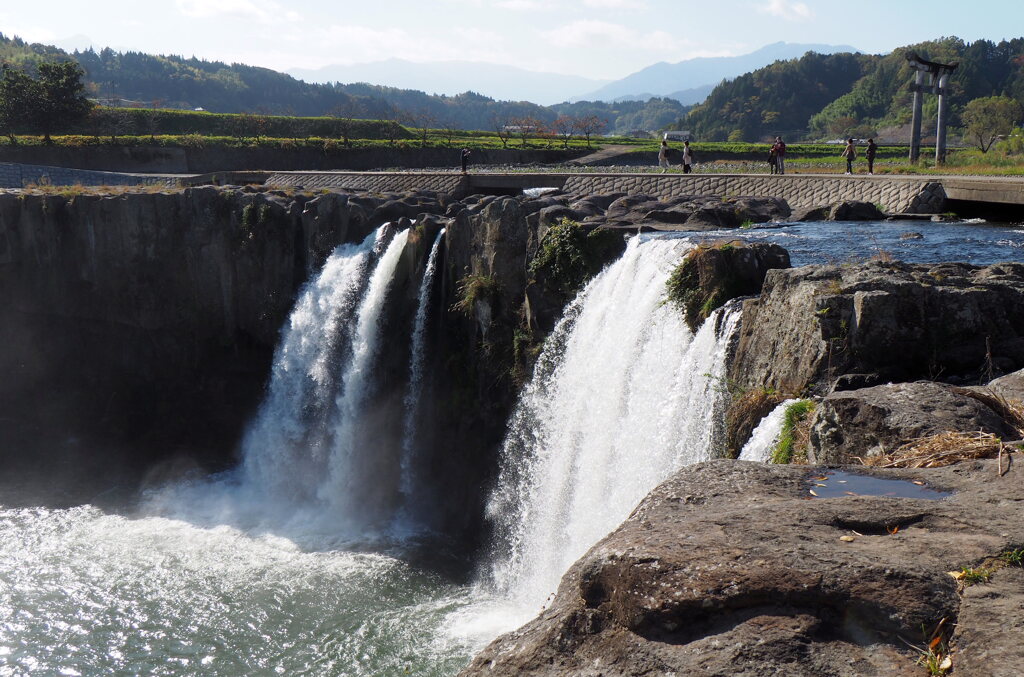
[623, 395]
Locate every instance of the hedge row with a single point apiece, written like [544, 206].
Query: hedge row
[140, 121]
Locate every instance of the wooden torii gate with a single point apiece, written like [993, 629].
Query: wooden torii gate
[938, 79]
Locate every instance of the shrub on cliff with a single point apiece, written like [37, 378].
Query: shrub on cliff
[570, 255]
[711, 275]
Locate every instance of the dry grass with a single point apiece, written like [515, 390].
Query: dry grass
[1011, 411]
[935, 451]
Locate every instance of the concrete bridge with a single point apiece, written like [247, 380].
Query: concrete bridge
[895, 194]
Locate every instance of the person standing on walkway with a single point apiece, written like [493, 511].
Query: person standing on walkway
[464, 156]
[663, 157]
[850, 153]
[869, 153]
[780, 155]
[687, 157]
[773, 161]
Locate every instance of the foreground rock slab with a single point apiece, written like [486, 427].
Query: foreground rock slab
[733, 568]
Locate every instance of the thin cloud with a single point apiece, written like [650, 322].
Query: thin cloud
[787, 9]
[263, 12]
[524, 5]
[589, 32]
[616, 4]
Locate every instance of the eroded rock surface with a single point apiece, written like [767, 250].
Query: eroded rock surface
[874, 421]
[730, 569]
[879, 322]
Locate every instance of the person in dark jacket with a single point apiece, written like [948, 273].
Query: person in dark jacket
[780, 155]
[869, 153]
[465, 159]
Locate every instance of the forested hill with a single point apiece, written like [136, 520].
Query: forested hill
[134, 78]
[857, 95]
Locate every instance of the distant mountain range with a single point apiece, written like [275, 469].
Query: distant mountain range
[689, 82]
[504, 83]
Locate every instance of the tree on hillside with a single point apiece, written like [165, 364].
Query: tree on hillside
[501, 124]
[59, 97]
[16, 93]
[564, 126]
[589, 125]
[988, 118]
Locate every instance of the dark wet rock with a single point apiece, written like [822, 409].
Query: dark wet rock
[728, 569]
[625, 205]
[602, 202]
[911, 236]
[895, 321]
[855, 210]
[669, 216]
[874, 421]
[819, 213]
[552, 215]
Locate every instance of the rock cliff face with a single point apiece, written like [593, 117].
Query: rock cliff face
[139, 327]
[819, 327]
[729, 569]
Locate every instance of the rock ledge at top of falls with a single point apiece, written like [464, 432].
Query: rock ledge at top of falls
[818, 328]
[728, 569]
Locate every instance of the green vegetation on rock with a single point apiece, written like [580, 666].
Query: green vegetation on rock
[787, 448]
[570, 256]
[703, 282]
[473, 289]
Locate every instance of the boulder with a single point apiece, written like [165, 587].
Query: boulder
[728, 569]
[819, 213]
[855, 210]
[1010, 386]
[709, 276]
[884, 321]
[874, 421]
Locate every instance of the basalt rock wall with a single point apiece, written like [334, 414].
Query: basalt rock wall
[139, 327]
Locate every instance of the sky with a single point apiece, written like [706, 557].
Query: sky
[599, 39]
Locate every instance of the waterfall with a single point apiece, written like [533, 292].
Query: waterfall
[357, 478]
[416, 368]
[311, 452]
[623, 394]
[765, 435]
[285, 447]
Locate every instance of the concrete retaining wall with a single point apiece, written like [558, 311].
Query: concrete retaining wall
[19, 176]
[915, 195]
[894, 194]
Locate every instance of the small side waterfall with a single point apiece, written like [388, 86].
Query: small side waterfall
[356, 481]
[417, 362]
[765, 435]
[623, 395]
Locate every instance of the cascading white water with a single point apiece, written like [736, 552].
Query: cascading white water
[416, 365]
[623, 395]
[353, 487]
[302, 472]
[286, 445]
[765, 435]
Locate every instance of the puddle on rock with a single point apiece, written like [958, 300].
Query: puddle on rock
[839, 484]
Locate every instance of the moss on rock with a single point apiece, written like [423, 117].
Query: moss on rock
[570, 255]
